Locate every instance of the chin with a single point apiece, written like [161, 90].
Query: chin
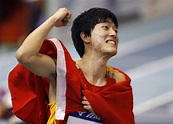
[113, 53]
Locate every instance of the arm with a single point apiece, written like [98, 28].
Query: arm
[28, 53]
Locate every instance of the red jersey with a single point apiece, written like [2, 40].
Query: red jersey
[113, 103]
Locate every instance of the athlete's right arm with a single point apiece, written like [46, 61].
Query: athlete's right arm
[28, 53]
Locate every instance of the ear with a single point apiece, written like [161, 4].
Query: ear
[86, 39]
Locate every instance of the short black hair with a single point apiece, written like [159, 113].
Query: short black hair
[85, 22]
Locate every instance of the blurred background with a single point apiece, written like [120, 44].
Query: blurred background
[145, 50]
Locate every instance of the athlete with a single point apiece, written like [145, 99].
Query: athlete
[86, 89]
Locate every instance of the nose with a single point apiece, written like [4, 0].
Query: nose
[112, 32]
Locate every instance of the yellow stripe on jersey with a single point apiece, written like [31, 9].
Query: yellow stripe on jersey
[52, 119]
[110, 71]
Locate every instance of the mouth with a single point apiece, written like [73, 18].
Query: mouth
[112, 42]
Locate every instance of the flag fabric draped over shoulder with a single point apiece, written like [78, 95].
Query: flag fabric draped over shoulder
[113, 105]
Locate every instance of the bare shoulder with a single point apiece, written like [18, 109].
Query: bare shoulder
[119, 77]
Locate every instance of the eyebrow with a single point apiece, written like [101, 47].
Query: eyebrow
[103, 21]
[108, 22]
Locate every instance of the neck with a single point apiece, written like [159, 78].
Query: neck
[94, 69]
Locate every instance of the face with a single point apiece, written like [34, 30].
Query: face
[104, 38]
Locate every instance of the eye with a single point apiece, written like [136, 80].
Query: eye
[105, 27]
[116, 30]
